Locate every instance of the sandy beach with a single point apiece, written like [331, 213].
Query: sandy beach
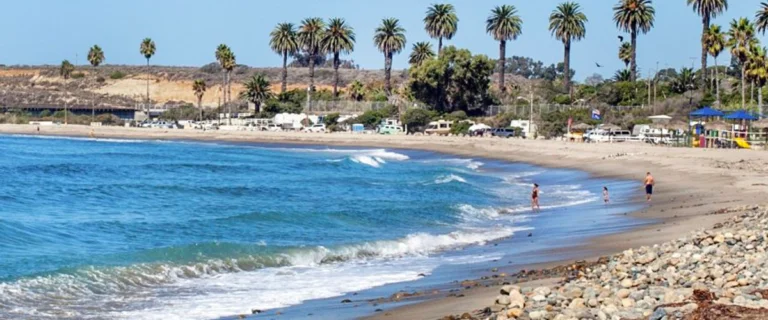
[691, 183]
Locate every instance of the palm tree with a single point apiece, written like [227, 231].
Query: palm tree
[741, 37]
[257, 91]
[503, 24]
[761, 18]
[199, 88]
[707, 9]
[685, 81]
[757, 71]
[634, 16]
[283, 41]
[95, 56]
[339, 38]
[356, 91]
[625, 53]
[147, 49]
[622, 75]
[66, 69]
[441, 22]
[227, 60]
[389, 37]
[422, 51]
[715, 42]
[310, 36]
[567, 24]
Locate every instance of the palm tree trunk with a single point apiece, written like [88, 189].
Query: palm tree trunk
[336, 74]
[759, 101]
[743, 85]
[312, 72]
[200, 106]
[752, 92]
[705, 28]
[567, 67]
[148, 86]
[717, 83]
[388, 73]
[229, 105]
[502, 64]
[439, 46]
[633, 71]
[284, 86]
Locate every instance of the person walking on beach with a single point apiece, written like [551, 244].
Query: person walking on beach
[606, 197]
[649, 182]
[535, 198]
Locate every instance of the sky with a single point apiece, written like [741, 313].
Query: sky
[187, 32]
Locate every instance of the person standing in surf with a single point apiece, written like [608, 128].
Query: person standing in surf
[649, 183]
[606, 196]
[535, 198]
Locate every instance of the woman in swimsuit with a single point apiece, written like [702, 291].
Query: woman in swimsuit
[535, 198]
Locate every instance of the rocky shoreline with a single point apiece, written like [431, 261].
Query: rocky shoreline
[721, 273]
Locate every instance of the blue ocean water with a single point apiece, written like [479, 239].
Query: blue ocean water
[135, 229]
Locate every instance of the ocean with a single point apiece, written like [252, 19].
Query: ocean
[139, 229]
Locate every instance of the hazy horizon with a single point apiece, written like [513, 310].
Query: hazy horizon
[187, 32]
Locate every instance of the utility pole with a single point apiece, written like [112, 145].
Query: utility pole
[655, 82]
[530, 115]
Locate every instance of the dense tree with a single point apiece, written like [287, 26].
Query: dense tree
[622, 75]
[707, 9]
[504, 25]
[310, 36]
[257, 91]
[441, 22]
[684, 81]
[741, 37]
[147, 49]
[715, 41]
[356, 91]
[634, 16]
[199, 88]
[389, 39]
[66, 69]
[421, 51]
[282, 40]
[625, 53]
[339, 38]
[567, 23]
[456, 80]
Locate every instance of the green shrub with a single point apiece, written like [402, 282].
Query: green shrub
[78, 75]
[457, 115]
[331, 119]
[415, 119]
[117, 75]
[460, 127]
[45, 114]
[100, 79]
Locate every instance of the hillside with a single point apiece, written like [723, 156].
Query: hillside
[42, 85]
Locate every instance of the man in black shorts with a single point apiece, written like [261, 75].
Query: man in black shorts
[649, 182]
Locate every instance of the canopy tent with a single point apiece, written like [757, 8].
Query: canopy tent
[707, 112]
[581, 126]
[479, 126]
[740, 115]
[717, 125]
[660, 118]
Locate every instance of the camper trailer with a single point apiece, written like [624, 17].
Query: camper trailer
[440, 127]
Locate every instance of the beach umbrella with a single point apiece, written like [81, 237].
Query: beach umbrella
[740, 115]
[479, 126]
[717, 125]
[706, 112]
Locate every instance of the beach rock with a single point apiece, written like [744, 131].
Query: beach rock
[514, 313]
[627, 302]
[516, 300]
[537, 315]
[623, 293]
[507, 289]
[647, 258]
[627, 283]
[544, 291]
[577, 303]
[503, 300]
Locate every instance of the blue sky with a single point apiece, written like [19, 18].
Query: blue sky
[187, 31]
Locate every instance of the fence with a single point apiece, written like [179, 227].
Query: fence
[525, 110]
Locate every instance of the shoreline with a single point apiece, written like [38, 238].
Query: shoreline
[691, 182]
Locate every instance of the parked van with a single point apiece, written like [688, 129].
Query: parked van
[390, 129]
[440, 127]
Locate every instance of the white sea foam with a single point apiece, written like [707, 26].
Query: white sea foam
[380, 153]
[467, 163]
[449, 178]
[115, 140]
[366, 160]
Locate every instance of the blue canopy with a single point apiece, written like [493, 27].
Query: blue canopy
[740, 115]
[707, 112]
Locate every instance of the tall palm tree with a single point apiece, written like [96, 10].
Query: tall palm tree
[741, 37]
[227, 60]
[715, 42]
[199, 88]
[622, 75]
[356, 90]
[761, 18]
[95, 57]
[147, 49]
[339, 38]
[441, 22]
[503, 24]
[389, 37]
[421, 51]
[625, 53]
[634, 16]
[283, 41]
[310, 36]
[66, 69]
[707, 9]
[567, 24]
[257, 91]
[757, 72]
